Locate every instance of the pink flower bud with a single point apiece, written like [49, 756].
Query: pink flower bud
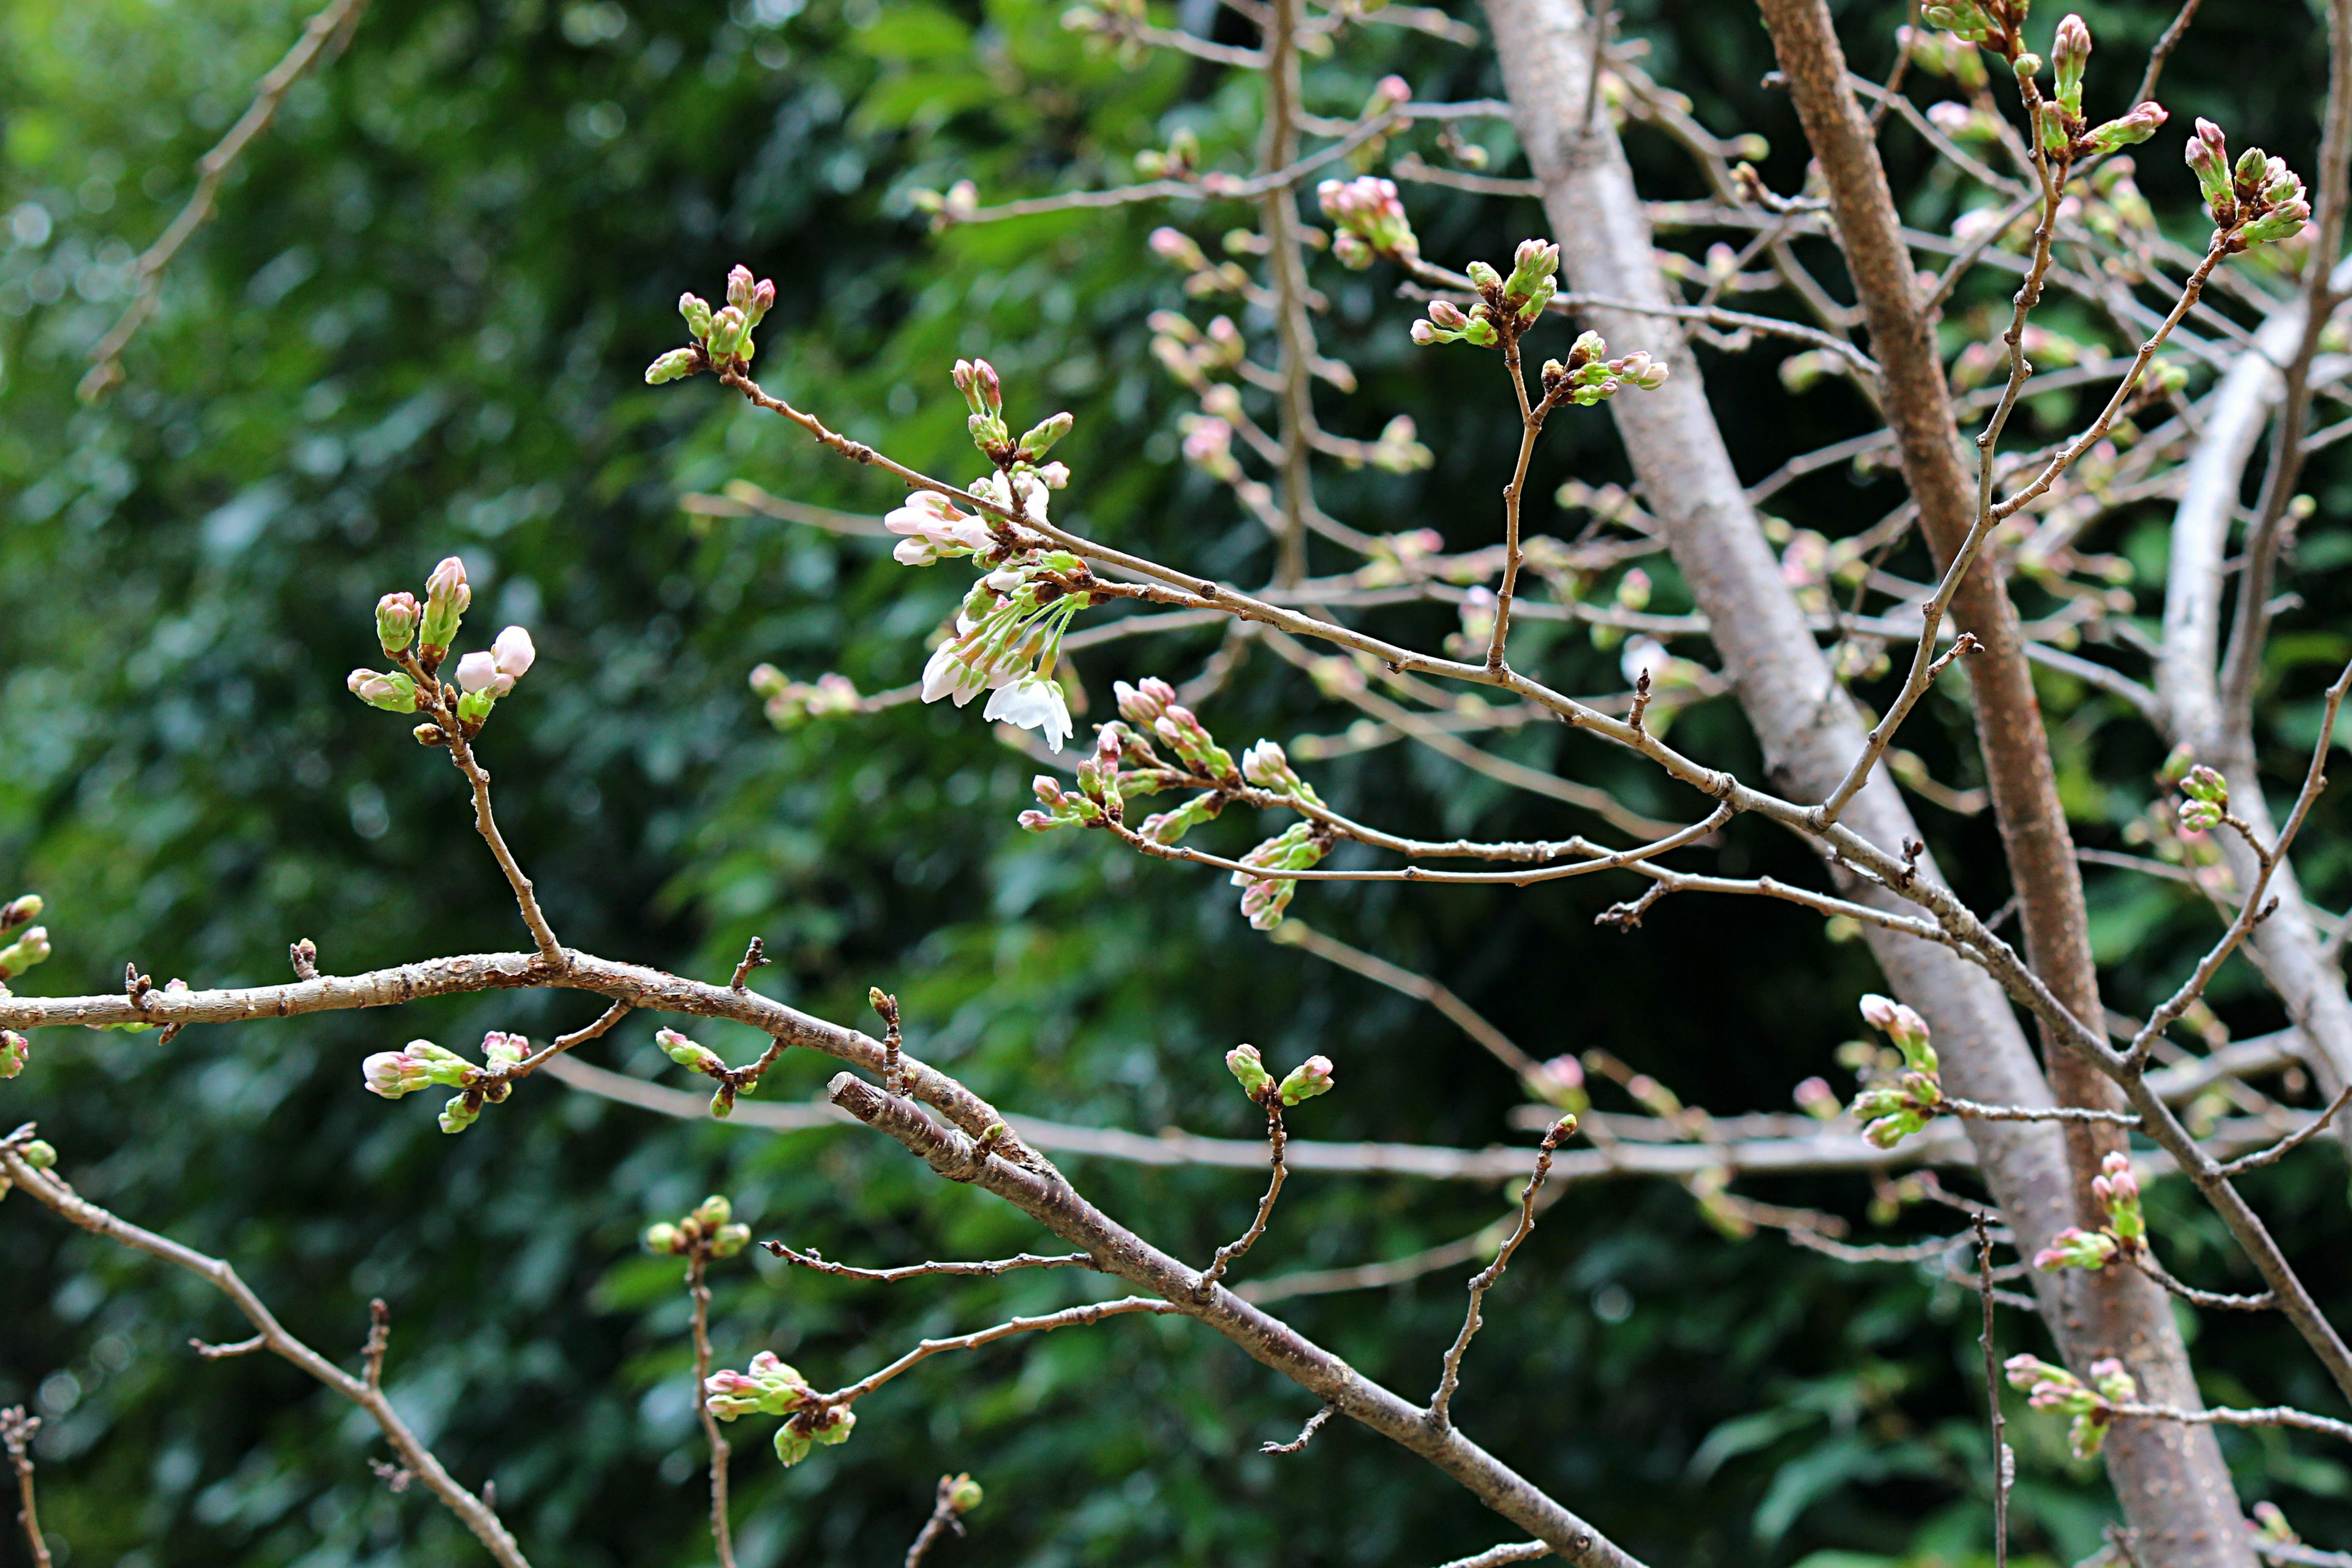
[479, 671]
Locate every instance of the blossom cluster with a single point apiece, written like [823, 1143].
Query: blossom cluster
[792, 703]
[2257, 201]
[711, 1229]
[1302, 1083]
[2091, 1405]
[2205, 799]
[1506, 305]
[1893, 1111]
[1370, 220]
[418, 639]
[722, 338]
[420, 1064]
[770, 1386]
[2125, 1232]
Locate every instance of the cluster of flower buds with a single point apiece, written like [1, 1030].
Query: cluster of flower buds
[1591, 377]
[1973, 21]
[2060, 127]
[1893, 1111]
[722, 338]
[2257, 201]
[984, 392]
[1398, 449]
[1209, 446]
[2125, 1232]
[2074, 1248]
[792, 703]
[1265, 765]
[31, 945]
[1939, 53]
[932, 528]
[1202, 277]
[772, 1387]
[964, 1494]
[1179, 160]
[2053, 1388]
[1369, 221]
[421, 636]
[1510, 304]
[15, 1050]
[710, 1230]
[954, 206]
[1304, 1082]
[1298, 848]
[37, 1153]
[731, 1081]
[1150, 705]
[2205, 799]
[1192, 354]
[420, 1064]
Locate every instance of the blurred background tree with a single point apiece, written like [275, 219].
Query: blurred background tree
[417, 328]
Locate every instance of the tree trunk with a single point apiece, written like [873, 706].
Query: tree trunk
[2175, 1488]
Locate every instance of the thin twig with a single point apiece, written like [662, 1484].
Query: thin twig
[1234, 1250]
[1306, 1433]
[1450, 1377]
[1496, 1556]
[1092, 1312]
[2142, 1258]
[2272, 1155]
[106, 360]
[811, 1259]
[379, 1340]
[945, 1516]
[2269, 1415]
[16, 1430]
[698, 1286]
[2001, 1461]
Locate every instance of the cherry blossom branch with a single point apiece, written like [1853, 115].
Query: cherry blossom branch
[52, 1192]
[1047, 1198]
[105, 374]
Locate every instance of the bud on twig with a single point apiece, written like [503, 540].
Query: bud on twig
[1307, 1079]
[396, 615]
[1249, 1070]
[446, 596]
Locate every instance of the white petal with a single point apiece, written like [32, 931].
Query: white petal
[941, 674]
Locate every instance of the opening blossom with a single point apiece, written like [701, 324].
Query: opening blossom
[508, 659]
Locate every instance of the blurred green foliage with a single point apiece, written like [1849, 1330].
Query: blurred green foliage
[417, 328]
